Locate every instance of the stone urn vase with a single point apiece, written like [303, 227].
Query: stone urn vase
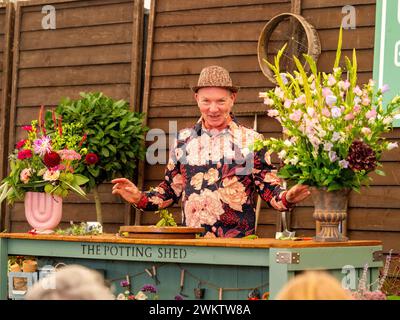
[330, 210]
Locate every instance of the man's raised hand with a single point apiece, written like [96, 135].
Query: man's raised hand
[297, 193]
[127, 190]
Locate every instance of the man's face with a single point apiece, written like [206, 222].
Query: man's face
[215, 106]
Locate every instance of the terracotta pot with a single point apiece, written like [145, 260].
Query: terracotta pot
[43, 211]
[29, 266]
[18, 283]
[330, 210]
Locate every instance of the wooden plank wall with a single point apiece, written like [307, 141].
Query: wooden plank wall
[185, 36]
[6, 34]
[96, 46]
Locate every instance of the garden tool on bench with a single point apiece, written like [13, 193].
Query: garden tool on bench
[285, 218]
[284, 223]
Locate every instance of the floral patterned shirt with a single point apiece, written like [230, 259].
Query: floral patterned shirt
[217, 178]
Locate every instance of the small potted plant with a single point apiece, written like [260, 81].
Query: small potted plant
[114, 138]
[42, 172]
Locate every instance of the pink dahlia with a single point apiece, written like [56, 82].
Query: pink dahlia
[42, 146]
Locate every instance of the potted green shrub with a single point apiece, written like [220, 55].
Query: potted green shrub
[114, 138]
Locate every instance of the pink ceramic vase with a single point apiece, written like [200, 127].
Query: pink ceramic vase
[43, 211]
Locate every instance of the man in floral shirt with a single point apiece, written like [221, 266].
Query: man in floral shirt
[212, 169]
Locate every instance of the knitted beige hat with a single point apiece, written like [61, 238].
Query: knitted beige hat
[215, 76]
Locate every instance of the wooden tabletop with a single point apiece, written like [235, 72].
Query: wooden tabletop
[201, 242]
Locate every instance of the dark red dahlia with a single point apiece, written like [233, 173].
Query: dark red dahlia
[20, 144]
[91, 158]
[51, 159]
[25, 154]
[361, 157]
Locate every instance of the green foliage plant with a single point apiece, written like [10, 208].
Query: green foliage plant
[114, 138]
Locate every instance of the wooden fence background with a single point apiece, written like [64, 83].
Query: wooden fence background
[6, 32]
[186, 36]
[96, 46]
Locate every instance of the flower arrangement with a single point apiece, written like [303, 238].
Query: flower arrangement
[45, 162]
[333, 126]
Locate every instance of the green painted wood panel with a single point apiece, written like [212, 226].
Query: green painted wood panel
[108, 251]
[3, 267]
[216, 267]
[215, 276]
[387, 47]
[335, 260]
[331, 258]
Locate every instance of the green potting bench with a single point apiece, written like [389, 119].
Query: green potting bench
[210, 263]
